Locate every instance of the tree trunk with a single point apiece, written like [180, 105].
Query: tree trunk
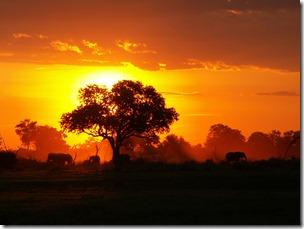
[116, 152]
[116, 155]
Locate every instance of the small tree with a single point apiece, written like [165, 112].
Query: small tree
[26, 130]
[221, 139]
[48, 139]
[2, 144]
[261, 144]
[43, 138]
[129, 109]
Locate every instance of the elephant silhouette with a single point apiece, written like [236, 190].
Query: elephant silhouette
[60, 159]
[235, 156]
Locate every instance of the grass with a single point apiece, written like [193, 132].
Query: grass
[193, 194]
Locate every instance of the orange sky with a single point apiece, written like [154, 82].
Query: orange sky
[224, 61]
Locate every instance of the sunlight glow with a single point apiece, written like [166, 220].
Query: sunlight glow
[106, 78]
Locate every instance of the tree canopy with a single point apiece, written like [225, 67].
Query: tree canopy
[221, 139]
[26, 130]
[42, 139]
[128, 109]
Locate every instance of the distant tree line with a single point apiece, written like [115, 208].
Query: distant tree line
[220, 140]
[130, 117]
[38, 140]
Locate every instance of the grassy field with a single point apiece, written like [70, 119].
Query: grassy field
[153, 195]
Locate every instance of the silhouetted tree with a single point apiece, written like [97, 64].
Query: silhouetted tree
[49, 139]
[128, 109]
[286, 144]
[275, 136]
[222, 139]
[26, 130]
[140, 148]
[2, 143]
[260, 145]
[172, 149]
[43, 138]
[292, 147]
[175, 150]
[198, 153]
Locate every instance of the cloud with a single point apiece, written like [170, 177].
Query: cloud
[29, 36]
[92, 62]
[89, 44]
[21, 35]
[194, 93]
[210, 66]
[234, 12]
[96, 50]
[134, 48]
[146, 65]
[236, 32]
[200, 115]
[42, 37]
[278, 93]
[63, 47]
[162, 66]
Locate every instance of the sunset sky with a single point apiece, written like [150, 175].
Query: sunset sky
[235, 62]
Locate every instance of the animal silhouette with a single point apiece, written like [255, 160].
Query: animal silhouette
[235, 156]
[7, 159]
[60, 159]
[93, 161]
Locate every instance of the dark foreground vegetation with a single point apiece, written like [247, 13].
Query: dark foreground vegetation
[246, 193]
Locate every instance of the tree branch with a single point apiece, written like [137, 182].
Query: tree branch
[91, 134]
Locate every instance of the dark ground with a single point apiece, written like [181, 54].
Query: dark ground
[155, 195]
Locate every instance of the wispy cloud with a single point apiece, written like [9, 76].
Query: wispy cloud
[42, 37]
[96, 49]
[194, 93]
[22, 35]
[88, 61]
[234, 12]
[200, 115]
[162, 66]
[64, 47]
[278, 93]
[211, 66]
[29, 36]
[133, 47]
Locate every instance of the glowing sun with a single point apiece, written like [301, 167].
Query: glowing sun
[106, 78]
